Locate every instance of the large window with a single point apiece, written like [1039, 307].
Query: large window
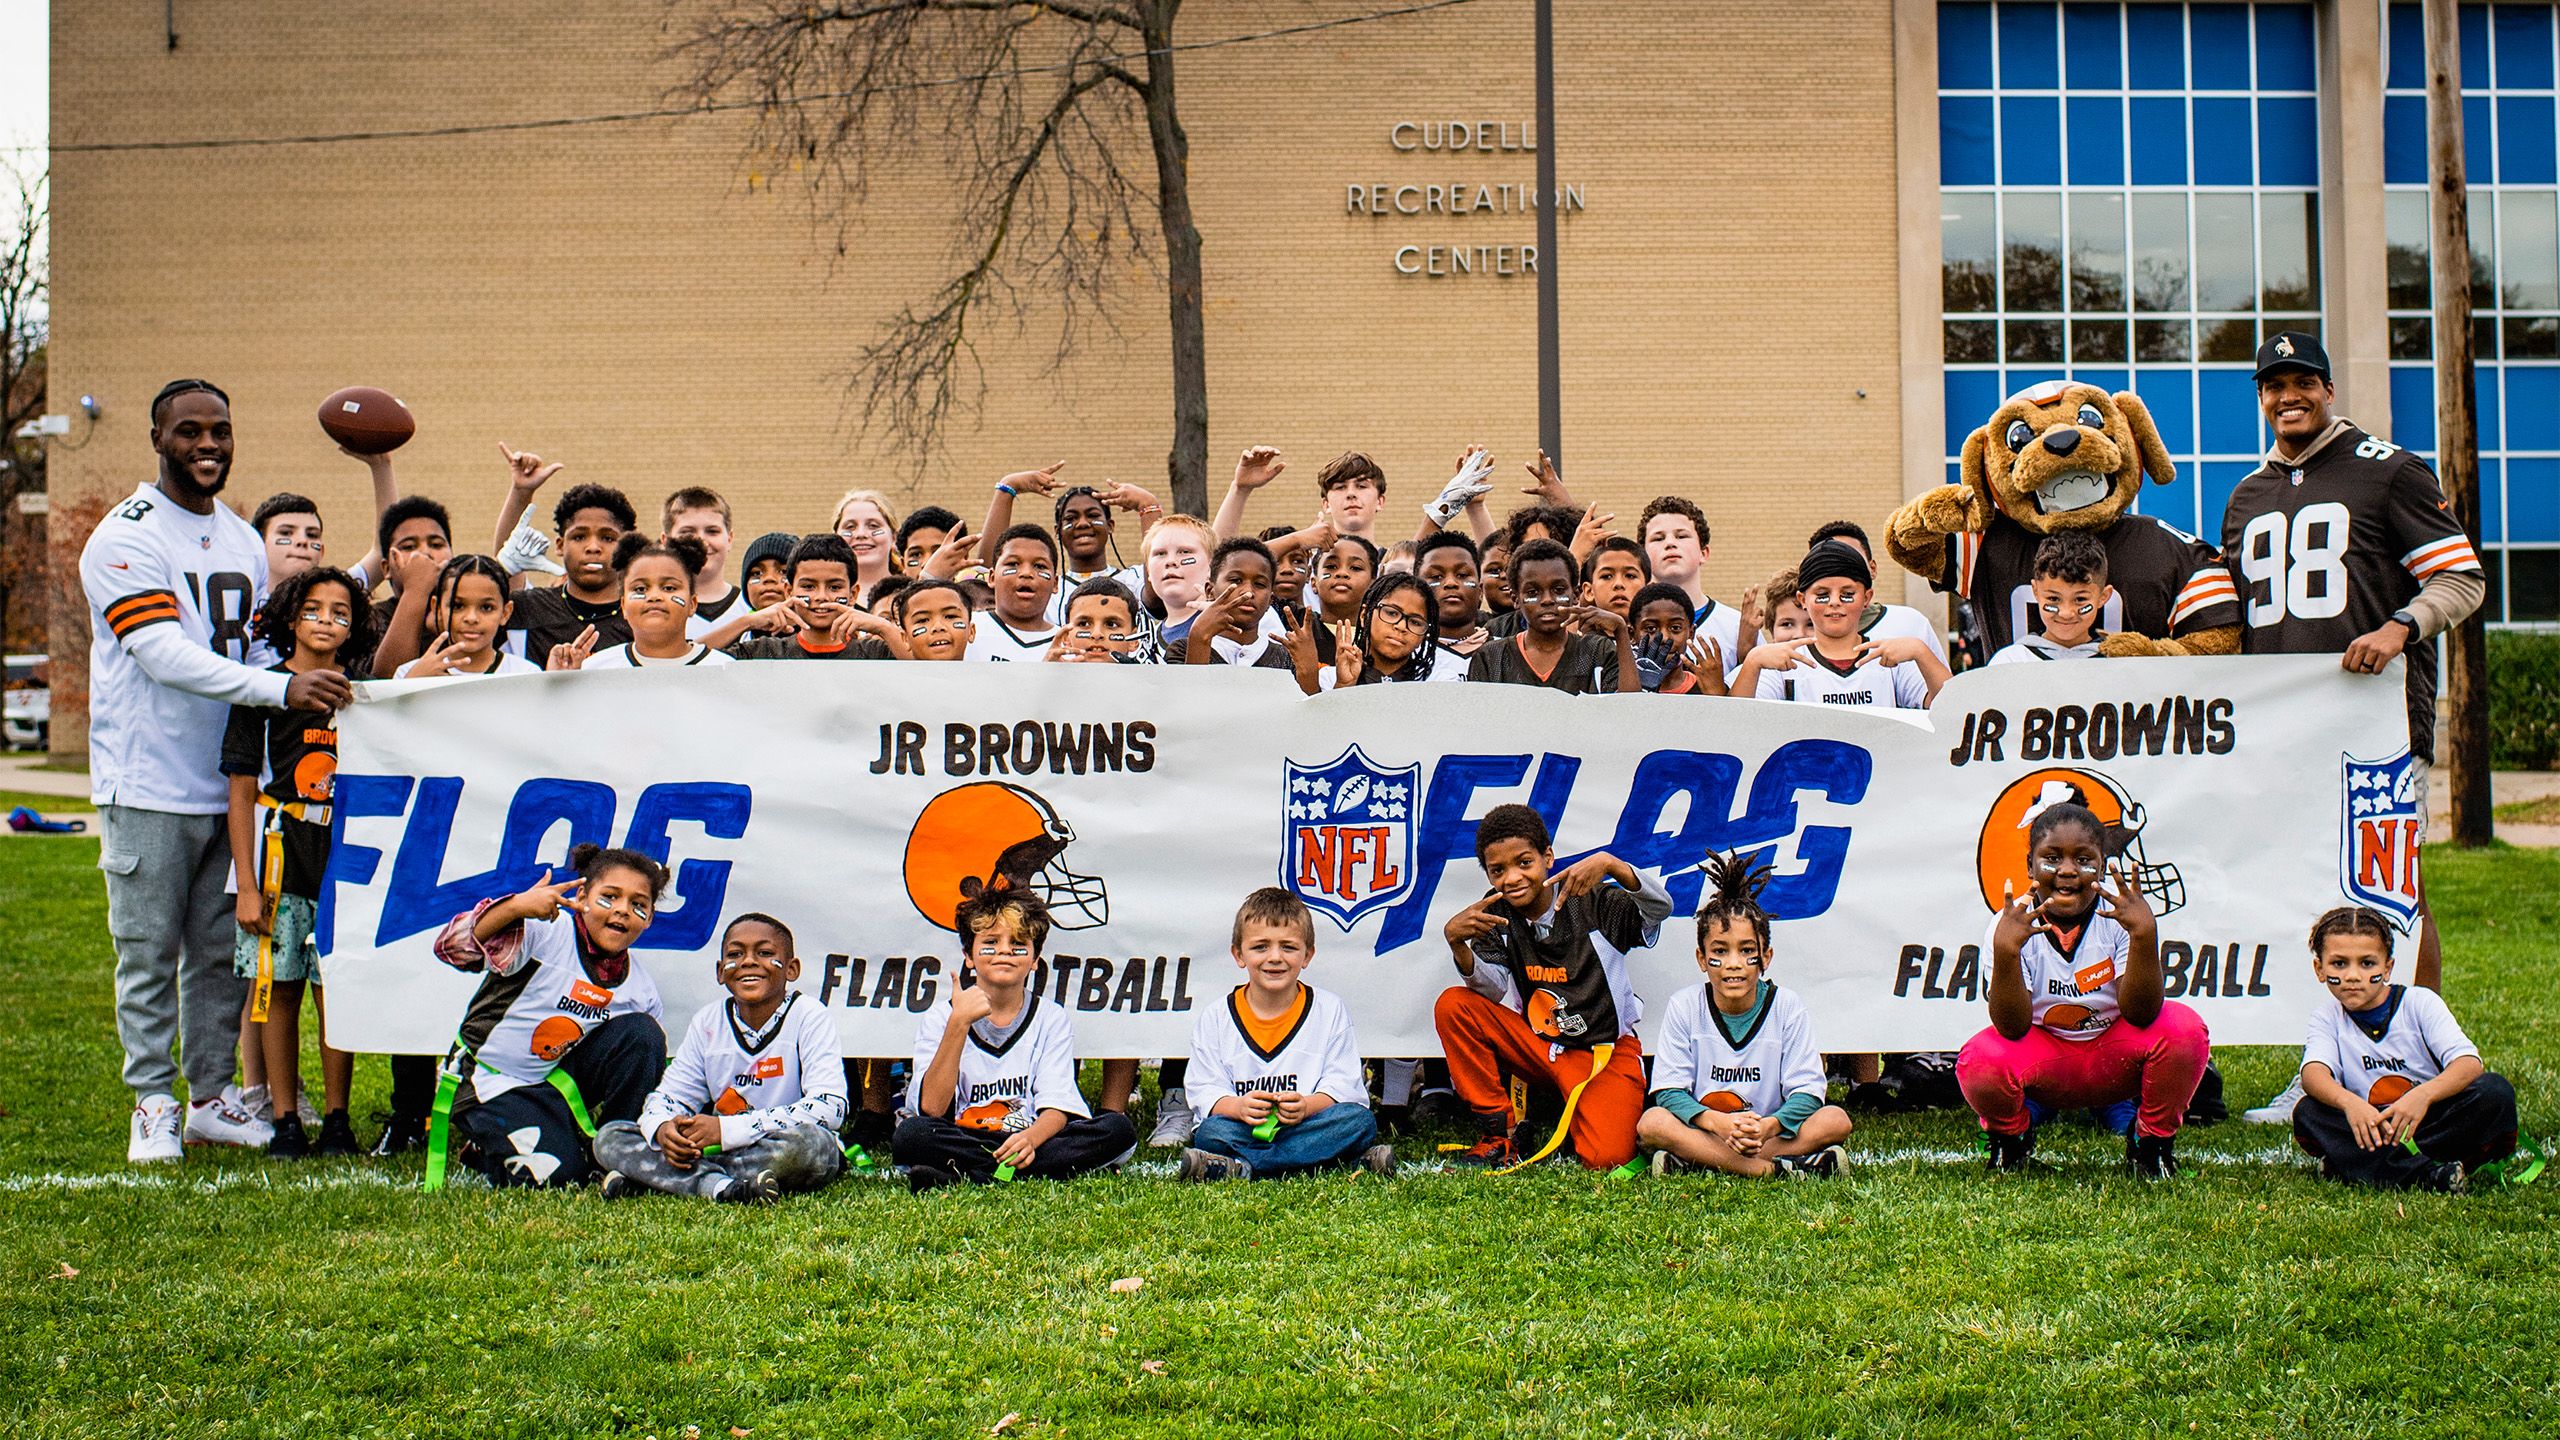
[2508, 65]
[2130, 196]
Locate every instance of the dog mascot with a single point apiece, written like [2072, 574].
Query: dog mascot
[2068, 456]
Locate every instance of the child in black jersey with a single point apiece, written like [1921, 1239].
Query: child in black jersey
[1562, 643]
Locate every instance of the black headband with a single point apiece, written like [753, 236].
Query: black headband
[1832, 560]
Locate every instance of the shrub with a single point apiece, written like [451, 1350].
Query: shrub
[2524, 700]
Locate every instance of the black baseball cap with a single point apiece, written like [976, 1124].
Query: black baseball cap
[2292, 350]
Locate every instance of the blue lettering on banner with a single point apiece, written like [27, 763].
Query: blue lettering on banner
[1835, 770]
[415, 900]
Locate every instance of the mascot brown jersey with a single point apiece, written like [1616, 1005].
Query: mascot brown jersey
[2068, 456]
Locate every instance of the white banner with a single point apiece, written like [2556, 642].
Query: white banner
[851, 800]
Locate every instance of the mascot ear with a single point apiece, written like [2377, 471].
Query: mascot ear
[2146, 438]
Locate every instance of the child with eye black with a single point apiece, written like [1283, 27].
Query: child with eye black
[2079, 1015]
[1229, 628]
[1449, 564]
[657, 603]
[1737, 1076]
[1562, 643]
[1103, 626]
[283, 766]
[766, 575]
[2068, 580]
[1840, 663]
[1672, 658]
[817, 619]
[937, 618]
[590, 522]
[922, 533]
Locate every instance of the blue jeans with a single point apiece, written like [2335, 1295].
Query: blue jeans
[1335, 1134]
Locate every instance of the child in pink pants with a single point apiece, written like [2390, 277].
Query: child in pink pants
[2077, 1013]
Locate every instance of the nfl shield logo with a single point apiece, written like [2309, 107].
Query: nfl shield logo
[1348, 846]
[2378, 849]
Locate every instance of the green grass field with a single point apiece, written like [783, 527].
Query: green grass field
[1917, 1297]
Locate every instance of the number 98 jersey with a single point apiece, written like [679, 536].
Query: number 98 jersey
[2326, 550]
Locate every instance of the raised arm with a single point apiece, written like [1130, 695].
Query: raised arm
[1258, 466]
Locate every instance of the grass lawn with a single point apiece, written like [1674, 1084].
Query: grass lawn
[1916, 1297]
[2545, 811]
[49, 804]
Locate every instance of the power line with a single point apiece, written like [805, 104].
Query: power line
[624, 117]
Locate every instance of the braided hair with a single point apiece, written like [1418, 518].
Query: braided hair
[1417, 666]
[1734, 884]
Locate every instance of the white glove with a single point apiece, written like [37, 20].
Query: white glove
[528, 549]
[1471, 483]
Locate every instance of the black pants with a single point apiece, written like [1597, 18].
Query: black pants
[528, 1136]
[1088, 1144]
[413, 1087]
[2475, 1125]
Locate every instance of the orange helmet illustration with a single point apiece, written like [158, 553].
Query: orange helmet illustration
[2001, 857]
[2066, 1016]
[994, 836]
[996, 1114]
[730, 1102]
[1548, 1018]
[1723, 1102]
[2388, 1089]
[553, 1037]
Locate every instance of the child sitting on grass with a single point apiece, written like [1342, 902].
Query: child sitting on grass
[1275, 1079]
[564, 1031]
[1737, 1078]
[747, 1111]
[994, 1088]
[1547, 995]
[2393, 1093]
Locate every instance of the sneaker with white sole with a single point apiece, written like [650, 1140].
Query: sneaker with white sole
[154, 1136]
[1666, 1163]
[219, 1122]
[1201, 1165]
[1174, 1123]
[2278, 1111]
[251, 1099]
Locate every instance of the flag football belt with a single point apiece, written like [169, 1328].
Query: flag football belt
[271, 885]
[2521, 1167]
[440, 1119]
[1564, 1121]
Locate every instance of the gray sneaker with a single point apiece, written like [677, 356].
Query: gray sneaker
[1379, 1159]
[1173, 1122]
[1828, 1163]
[2278, 1111]
[1666, 1163]
[1201, 1165]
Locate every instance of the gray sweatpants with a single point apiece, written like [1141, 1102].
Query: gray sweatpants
[172, 923]
[802, 1157]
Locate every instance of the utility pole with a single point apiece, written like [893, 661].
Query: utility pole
[2457, 422]
[1550, 383]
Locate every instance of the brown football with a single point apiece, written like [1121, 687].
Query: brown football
[366, 420]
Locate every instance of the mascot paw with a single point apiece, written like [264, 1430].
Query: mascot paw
[2120, 645]
[1952, 509]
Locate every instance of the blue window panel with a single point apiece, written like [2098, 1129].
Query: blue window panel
[2533, 502]
[2408, 39]
[2156, 46]
[2492, 507]
[1971, 395]
[2160, 142]
[2222, 142]
[2479, 166]
[2097, 139]
[2172, 504]
[2019, 379]
[1955, 472]
[1964, 142]
[2288, 142]
[2230, 413]
[2092, 51]
[2110, 381]
[2285, 49]
[2404, 139]
[2475, 47]
[2484, 405]
[2029, 57]
[2030, 140]
[2220, 38]
[2524, 140]
[2533, 408]
[2413, 407]
[2213, 493]
[2524, 46]
[1964, 47]
[2171, 397]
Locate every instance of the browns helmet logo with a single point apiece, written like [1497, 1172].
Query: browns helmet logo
[2388, 1089]
[993, 1115]
[990, 836]
[2001, 855]
[1549, 1019]
[2065, 1016]
[730, 1103]
[553, 1037]
[1723, 1101]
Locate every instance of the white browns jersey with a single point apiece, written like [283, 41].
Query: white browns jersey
[1317, 1055]
[519, 1024]
[2072, 992]
[992, 639]
[1721, 623]
[623, 657]
[2419, 1039]
[1776, 1059]
[171, 594]
[1871, 685]
[791, 1074]
[1004, 1087]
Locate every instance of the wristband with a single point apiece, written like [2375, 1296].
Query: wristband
[1004, 489]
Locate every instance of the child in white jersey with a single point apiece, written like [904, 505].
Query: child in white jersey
[994, 1088]
[1841, 664]
[564, 1032]
[1275, 1082]
[748, 1109]
[2393, 1093]
[1737, 1076]
[657, 603]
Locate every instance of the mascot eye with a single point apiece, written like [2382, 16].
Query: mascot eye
[2019, 434]
[2090, 417]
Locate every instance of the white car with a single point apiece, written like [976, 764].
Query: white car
[29, 715]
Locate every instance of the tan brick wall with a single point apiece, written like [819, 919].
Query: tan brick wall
[615, 297]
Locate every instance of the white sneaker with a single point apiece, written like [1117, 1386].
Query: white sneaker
[254, 1100]
[1173, 1122]
[154, 1136]
[2278, 1111]
[219, 1122]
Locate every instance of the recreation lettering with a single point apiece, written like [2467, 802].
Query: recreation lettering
[2175, 725]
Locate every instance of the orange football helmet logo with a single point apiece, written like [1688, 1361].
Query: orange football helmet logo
[993, 836]
[1723, 1102]
[2388, 1089]
[1548, 1018]
[553, 1037]
[2001, 855]
[994, 1116]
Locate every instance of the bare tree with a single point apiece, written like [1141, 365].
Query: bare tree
[1039, 108]
[23, 201]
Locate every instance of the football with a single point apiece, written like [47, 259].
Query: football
[366, 420]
